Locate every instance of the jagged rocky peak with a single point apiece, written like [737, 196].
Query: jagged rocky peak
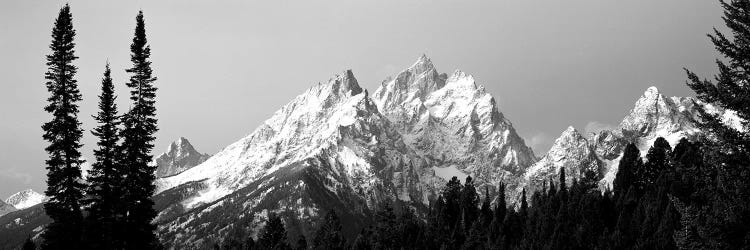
[346, 83]
[573, 152]
[180, 147]
[654, 114]
[24, 199]
[180, 156]
[453, 121]
[415, 82]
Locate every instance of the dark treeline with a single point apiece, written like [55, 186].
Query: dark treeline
[637, 214]
[112, 208]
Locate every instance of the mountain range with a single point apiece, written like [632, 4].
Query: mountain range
[338, 147]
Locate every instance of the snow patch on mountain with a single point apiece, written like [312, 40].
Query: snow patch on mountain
[24, 199]
[447, 173]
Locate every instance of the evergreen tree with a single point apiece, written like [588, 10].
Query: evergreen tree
[64, 183]
[385, 233]
[138, 136]
[657, 157]
[563, 185]
[329, 234]
[452, 209]
[362, 242]
[28, 244]
[104, 188]
[274, 234]
[408, 227]
[726, 223]
[249, 243]
[486, 210]
[524, 205]
[499, 213]
[301, 243]
[469, 204]
[630, 161]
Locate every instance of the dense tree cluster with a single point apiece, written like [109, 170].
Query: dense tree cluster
[638, 213]
[113, 207]
[716, 214]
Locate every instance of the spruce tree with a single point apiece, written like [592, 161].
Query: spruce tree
[452, 209]
[104, 188]
[138, 136]
[625, 176]
[658, 157]
[499, 213]
[274, 234]
[362, 242]
[385, 231]
[726, 198]
[64, 183]
[301, 243]
[329, 234]
[469, 204]
[486, 209]
[563, 185]
[524, 211]
[28, 244]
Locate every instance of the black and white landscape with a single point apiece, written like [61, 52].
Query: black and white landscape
[426, 160]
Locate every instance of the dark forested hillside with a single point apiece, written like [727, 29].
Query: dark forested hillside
[640, 213]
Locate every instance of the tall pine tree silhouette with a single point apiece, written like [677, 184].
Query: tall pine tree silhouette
[105, 182]
[63, 132]
[726, 146]
[138, 136]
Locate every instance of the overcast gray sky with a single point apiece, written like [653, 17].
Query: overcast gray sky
[225, 66]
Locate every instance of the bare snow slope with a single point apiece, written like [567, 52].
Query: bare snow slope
[24, 199]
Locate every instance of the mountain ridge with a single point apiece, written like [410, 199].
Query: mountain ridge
[338, 147]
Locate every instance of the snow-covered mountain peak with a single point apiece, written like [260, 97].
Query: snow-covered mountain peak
[462, 78]
[453, 121]
[573, 152]
[423, 64]
[25, 199]
[179, 156]
[569, 139]
[654, 114]
[651, 92]
[410, 86]
[570, 134]
[180, 147]
[313, 122]
[345, 83]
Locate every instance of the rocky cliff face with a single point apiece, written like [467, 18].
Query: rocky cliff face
[179, 156]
